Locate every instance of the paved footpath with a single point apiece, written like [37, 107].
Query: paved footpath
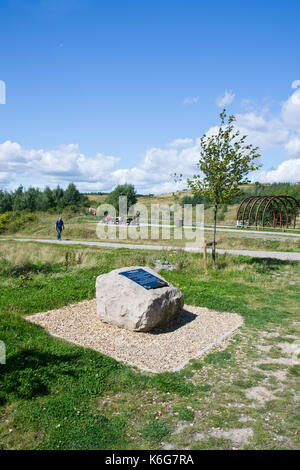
[283, 255]
[260, 233]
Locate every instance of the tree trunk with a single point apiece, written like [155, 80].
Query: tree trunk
[214, 237]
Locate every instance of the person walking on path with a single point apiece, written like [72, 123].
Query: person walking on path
[59, 226]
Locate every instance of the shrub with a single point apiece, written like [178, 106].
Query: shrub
[5, 220]
[12, 222]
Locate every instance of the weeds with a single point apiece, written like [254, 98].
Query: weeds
[155, 431]
[72, 258]
[25, 277]
[186, 414]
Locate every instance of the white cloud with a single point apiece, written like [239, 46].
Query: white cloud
[5, 178]
[295, 83]
[152, 174]
[293, 147]
[248, 104]
[67, 163]
[262, 132]
[291, 111]
[226, 99]
[62, 165]
[181, 142]
[2, 92]
[287, 172]
[191, 100]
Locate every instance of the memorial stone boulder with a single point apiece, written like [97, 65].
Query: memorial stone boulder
[137, 298]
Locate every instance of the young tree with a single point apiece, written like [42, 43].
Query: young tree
[122, 190]
[225, 161]
[46, 201]
[72, 196]
[58, 198]
[18, 199]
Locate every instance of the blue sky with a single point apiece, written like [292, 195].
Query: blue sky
[103, 92]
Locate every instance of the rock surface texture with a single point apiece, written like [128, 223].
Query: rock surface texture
[123, 302]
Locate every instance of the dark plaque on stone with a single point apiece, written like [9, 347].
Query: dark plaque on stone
[144, 278]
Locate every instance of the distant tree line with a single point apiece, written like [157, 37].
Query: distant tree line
[33, 199]
[196, 199]
[256, 189]
[274, 189]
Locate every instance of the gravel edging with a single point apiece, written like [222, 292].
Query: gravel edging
[163, 349]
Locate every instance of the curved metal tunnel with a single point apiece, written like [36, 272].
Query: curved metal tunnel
[284, 208]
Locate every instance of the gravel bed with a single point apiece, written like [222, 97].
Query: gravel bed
[167, 348]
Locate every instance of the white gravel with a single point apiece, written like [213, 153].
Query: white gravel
[168, 348]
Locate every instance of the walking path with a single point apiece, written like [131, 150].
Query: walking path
[283, 255]
[247, 232]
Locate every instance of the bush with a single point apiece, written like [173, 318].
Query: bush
[12, 222]
[5, 220]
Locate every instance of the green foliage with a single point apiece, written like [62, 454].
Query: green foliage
[271, 366]
[156, 431]
[186, 414]
[52, 389]
[12, 222]
[26, 383]
[33, 199]
[5, 221]
[218, 358]
[274, 189]
[169, 382]
[180, 260]
[122, 190]
[295, 370]
[196, 199]
[204, 388]
[72, 258]
[221, 212]
[225, 161]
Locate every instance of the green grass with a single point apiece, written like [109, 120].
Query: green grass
[220, 358]
[186, 414]
[56, 395]
[155, 431]
[79, 226]
[295, 370]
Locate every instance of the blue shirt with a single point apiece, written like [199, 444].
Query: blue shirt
[59, 224]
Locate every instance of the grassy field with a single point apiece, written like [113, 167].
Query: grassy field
[84, 228]
[55, 395]
[227, 217]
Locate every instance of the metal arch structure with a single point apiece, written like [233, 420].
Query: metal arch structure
[287, 205]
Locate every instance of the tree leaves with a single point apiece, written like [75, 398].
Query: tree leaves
[225, 161]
